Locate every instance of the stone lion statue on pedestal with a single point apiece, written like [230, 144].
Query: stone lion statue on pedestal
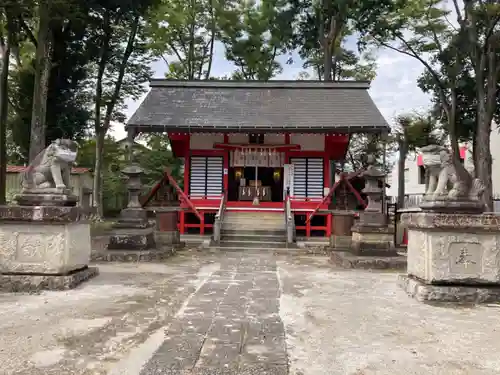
[442, 180]
[51, 169]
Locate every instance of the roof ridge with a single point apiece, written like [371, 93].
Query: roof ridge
[274, 84]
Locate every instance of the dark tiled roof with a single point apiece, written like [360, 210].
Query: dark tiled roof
[252, 105]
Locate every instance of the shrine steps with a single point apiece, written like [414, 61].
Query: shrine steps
[253, 230]
[253, 221]
[252, 240]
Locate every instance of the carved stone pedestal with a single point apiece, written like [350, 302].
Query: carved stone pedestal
[45, 247]
[372, 241]
[372, 245]
[453, 257]
[133, 237]
[47, 197]
[371, 236]
[133, 231]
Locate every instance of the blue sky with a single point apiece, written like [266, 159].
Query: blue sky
[394, 90]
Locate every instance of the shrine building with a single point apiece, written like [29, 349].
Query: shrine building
[256, 144]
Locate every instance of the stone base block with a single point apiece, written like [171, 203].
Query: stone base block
[26, 283]
[167, 238]
[132, 239]
[47, 197]
[373, 241]
[348, 260]
[340, 242]
[458, 249]
[453, 206]
[44, 247]
[433, 294]
[130, 256]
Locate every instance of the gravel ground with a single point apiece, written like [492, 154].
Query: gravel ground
[242, 313]
[360, 323]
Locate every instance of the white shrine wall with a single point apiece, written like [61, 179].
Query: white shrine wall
[238, 138]
[308, 142]
[204, 141]
[274, 139]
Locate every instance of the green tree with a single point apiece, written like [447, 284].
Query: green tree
[466, 103]
[11, 21]
[183, 35]
[254, 34]
[321, 31]
[413, 131]
[68, 112]
[46, 10]
[157, 157]
[121, 70]
[6, 40]
[421, 29]
[114, 191]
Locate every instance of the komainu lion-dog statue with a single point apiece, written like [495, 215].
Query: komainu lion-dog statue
[442, 180]
[52, 167]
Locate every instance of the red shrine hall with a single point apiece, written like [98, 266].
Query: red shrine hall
[257, 144]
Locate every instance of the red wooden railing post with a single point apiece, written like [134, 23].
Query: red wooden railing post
[184, 198]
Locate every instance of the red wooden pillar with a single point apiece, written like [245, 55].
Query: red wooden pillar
[187, 172]
[202, 223]
[182, 221]
[225, 181]
[308, 225]
[328, 224]
[287, 142]
[326, 171]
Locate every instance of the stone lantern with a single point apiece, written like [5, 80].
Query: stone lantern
[133, 231]
[371, 236]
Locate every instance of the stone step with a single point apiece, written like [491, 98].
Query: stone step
[251, 244]
[238, 236]
[242, 228]
[253, 213]
[254, 232]
[256, 216]
[253, 219]
[236, 228]
[281, 251]
[279, 219]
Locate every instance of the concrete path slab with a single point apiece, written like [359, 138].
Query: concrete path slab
[230, 325]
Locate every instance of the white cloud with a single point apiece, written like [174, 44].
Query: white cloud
[394, 90]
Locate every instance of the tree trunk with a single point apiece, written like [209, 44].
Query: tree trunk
[474, 151]
[213, 31]
[5, 47]
[403, 152]
[327, 60]
[42, 74]
[483, 152]
[97, 187]
[103, 60]
[101, 130]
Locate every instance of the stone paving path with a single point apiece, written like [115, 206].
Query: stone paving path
[229, 325]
